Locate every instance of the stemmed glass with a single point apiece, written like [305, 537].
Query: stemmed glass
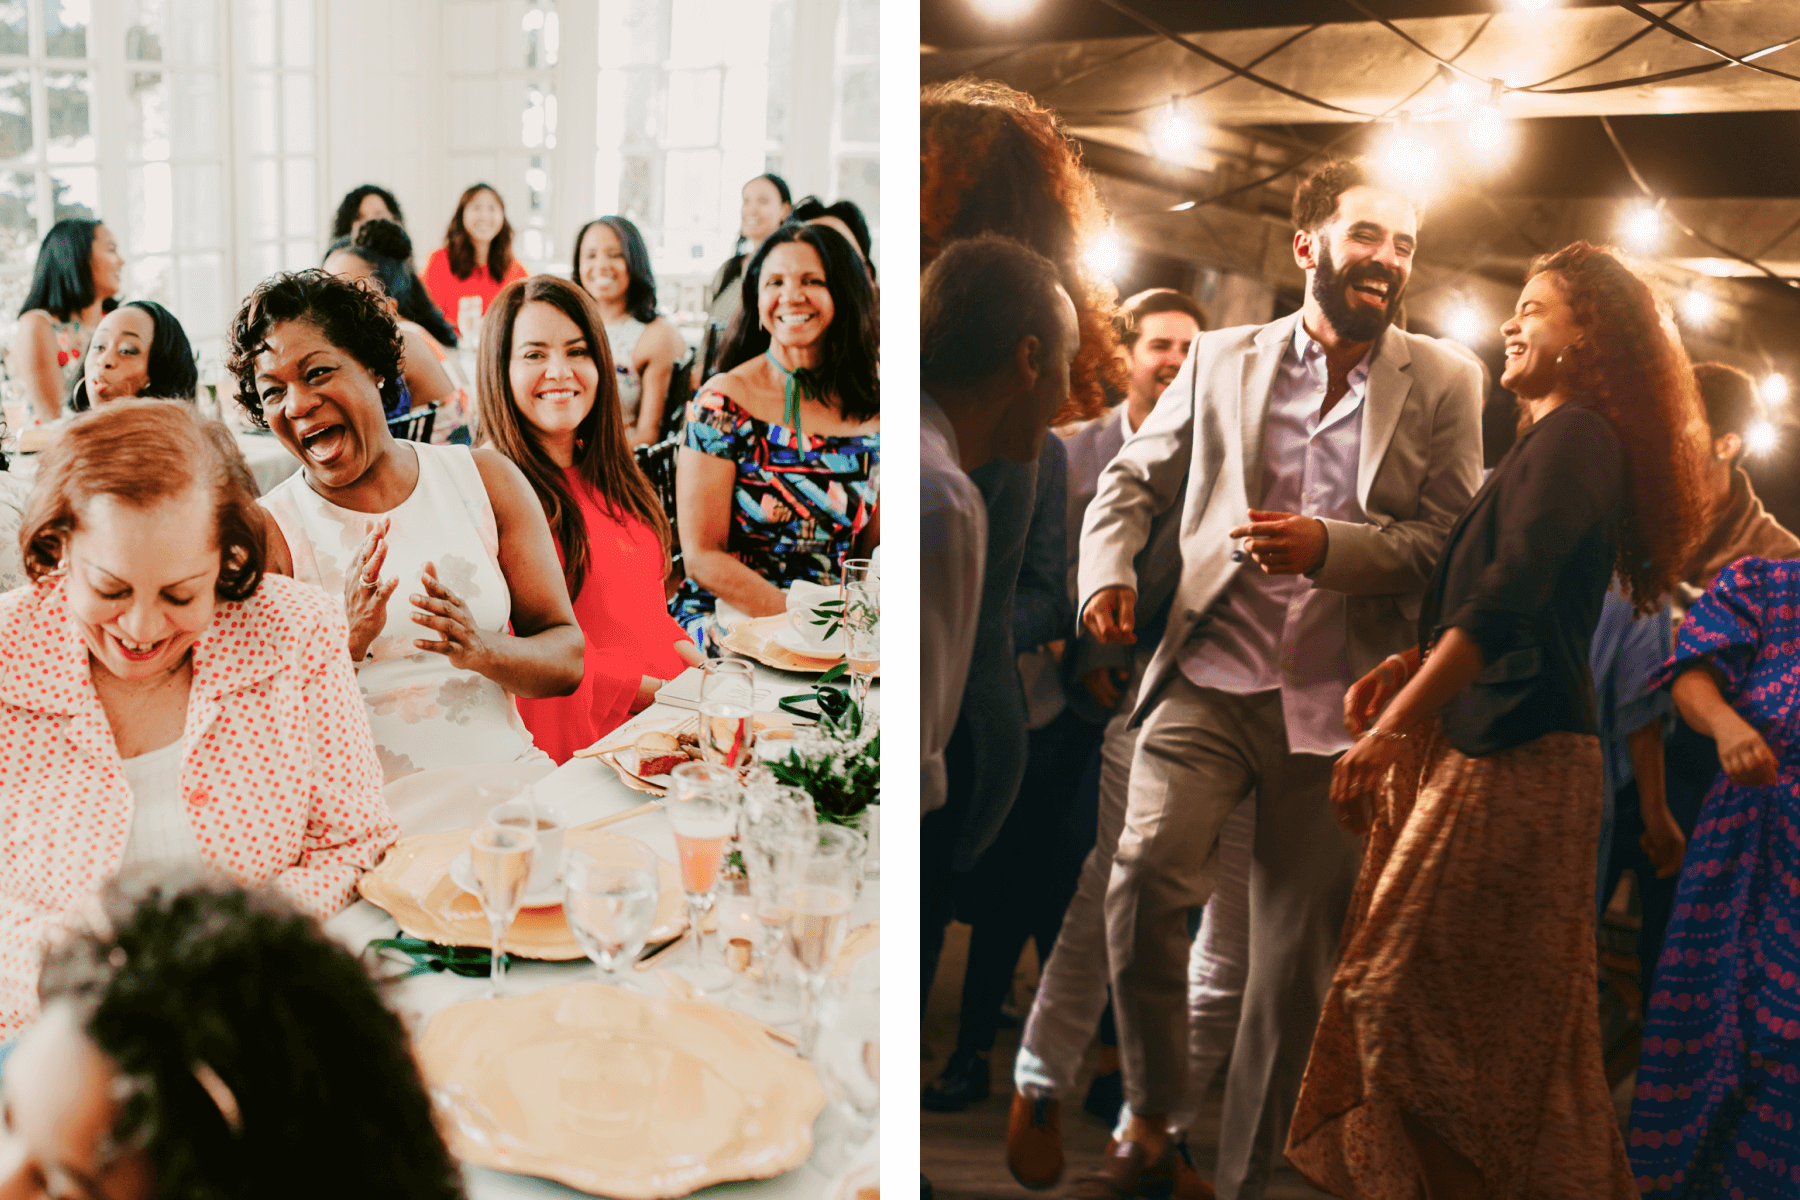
[727, 713]
[778, 831]
[702, 805]
[862, 632]
[501, 856]
[818, 918]
[848, 1056]
[609, 901]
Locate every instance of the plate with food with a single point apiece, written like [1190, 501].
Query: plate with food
[645, 762]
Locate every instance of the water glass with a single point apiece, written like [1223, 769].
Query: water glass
[727, 713]
[848, 1056]
[702, 806]
[862, 627]
[818, 907]
[777, 834]
[501, 856]
[609, 901]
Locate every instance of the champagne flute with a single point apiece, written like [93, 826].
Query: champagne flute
[727, 713]
[609, 901]
[702, 809]
[778, 832]
[862, 629]
[818, 918]
[849, 1059]
[501, 856]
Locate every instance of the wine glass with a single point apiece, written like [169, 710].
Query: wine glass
[727, 713]
[777, 833]
[862, 631]
[848, 1057]
[818, 918]
[501, 856]
[609, 901]
[702, 808]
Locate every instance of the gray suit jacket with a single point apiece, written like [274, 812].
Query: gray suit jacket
[1420, 464]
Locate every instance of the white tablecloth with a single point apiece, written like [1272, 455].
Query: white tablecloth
[269, 461]
[585, 790]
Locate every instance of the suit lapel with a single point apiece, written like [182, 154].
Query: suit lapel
[1257, 386]
[1389, 381]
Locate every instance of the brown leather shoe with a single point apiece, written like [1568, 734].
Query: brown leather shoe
[1189, 1185]
[1034, 1150]
[1123, 1176]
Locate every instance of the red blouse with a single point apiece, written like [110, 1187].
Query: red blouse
[446, 289]
[626, 621]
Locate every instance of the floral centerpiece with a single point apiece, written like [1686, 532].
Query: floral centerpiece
[838, 761]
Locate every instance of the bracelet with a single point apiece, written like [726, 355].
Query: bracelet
[1386, 735]
[1404, 673]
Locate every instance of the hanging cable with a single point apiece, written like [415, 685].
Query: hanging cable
[1747, 61]
[1202, 89]
[1598, 59]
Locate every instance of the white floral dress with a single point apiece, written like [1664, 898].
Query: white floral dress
[424, 712]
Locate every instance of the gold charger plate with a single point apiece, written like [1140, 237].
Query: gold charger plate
[755, 638]
[857, 942]
[621, 753]
[618, 1094]
[412, 884]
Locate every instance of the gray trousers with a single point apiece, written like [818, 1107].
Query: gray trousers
[1199, 753]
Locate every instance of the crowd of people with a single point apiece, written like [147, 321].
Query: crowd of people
[1297, 744]
[196, 680]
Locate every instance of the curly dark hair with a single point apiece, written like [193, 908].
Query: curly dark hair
[1631, 366]
[256, 1054]
[351, 206]
[172, 370]
[850, 366]
[349, 314]
[1316, 197]
[459, 247]
[978, 301]
[993, 160]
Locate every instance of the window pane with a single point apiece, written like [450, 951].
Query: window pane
[859, 105]
[256, 21]
[200, 293]
[297, 113]
[262, 200]
[199, 207]
[265, 260]
[862, 30]
[781, 63]
[643, 105]
[18, 221]
[143, 41]
[637, 189]
[859, 179]
[150, 278]
[259, 121]
[152, 216]
[531, 133]
[15, 113]
[301, 199]
[693, 108]
[68, 95]
[194, 128]
[297, 33]
[76, 192]
[691, 191]
[537, 184]
[147, 116]
[65, 28]
[646, 31]
[694, 31]
[298, 255]
[12, 27]
[193, 32]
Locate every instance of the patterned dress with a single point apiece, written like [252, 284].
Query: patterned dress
[1718, 1082]
[795, 508]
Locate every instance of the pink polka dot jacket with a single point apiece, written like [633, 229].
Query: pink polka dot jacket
[278, 770]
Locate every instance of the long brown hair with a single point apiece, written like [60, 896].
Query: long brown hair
[1632, 368]
[603, 458]
[460, 249]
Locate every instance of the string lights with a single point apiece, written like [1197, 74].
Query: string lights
[1173, 137]
[1760, 438]
[1104, 256]
[1775, 389]
[1642, 228]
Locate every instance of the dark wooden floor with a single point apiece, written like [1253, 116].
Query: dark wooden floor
[964, 1154]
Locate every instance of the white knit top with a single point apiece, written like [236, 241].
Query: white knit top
[161, 835]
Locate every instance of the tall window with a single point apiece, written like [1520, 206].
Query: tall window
[856, 132]
[277, 138]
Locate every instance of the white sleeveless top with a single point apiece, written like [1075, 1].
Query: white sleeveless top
[424, 713]
[623, 338]
[161, 835]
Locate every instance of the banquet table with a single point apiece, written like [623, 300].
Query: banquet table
[268, 459]
[586, 789]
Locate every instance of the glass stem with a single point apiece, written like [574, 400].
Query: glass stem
[859, 690]
[697, 919]
[497, 963]
[809, 1014]
[771, 948]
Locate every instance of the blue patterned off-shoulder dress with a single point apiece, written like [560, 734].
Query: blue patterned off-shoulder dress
[797, 505]
[1718, 1082]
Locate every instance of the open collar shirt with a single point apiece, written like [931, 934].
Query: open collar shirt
[952, 551]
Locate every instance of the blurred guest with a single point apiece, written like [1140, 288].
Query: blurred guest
[78, 277]
[1245, 690]
[139, 350]
[844, 217]
[369, 202]
[150, 653]
[193, 1037]
[778, 479]
[613, 266]
[379, 253]
[317, 360]
[1630, 716]
[1480, 788]
[767, 204]
[547, 404]
[476, 259]
[14, 492]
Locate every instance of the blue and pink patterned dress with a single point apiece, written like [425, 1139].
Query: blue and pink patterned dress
[795, 508]
[1718, 1083]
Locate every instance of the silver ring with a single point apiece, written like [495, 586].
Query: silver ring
[371, 580]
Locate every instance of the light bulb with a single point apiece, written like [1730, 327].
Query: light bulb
[1172, 134]
[1410, 160]
[1760, 438]
[1003, 10]
[1487, 131]
[1642, 227]
[1104, 256]
[1465, 324]
[1775, 389]
[1698, 308]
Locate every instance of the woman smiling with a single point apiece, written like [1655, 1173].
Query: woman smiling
[139, 350]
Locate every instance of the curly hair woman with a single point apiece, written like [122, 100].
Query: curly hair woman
[214, 1044]
[1479, 789]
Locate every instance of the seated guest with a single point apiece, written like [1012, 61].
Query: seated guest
[139, 350]
[547, 404]
[476, 258]
[379, 252]
[317, 360]
[366, 203]
[844, 217]
[778, 478]
[613, 267]
[77, 279]
[194, 1040]
[767, 203]
[150, 655]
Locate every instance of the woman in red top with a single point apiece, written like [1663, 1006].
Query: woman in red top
[476, 257]
[546, 391]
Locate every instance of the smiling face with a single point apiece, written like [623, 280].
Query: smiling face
[792, 300]
[483, 217]
[322, 404]
[764, 210]
[372, 208]
[1359, 261]
[58, 1115]
[554, 377]
[1541, 329]
[603, 271]
[141, 580]
[107, 264]
[1162, 346]
[118, 359]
